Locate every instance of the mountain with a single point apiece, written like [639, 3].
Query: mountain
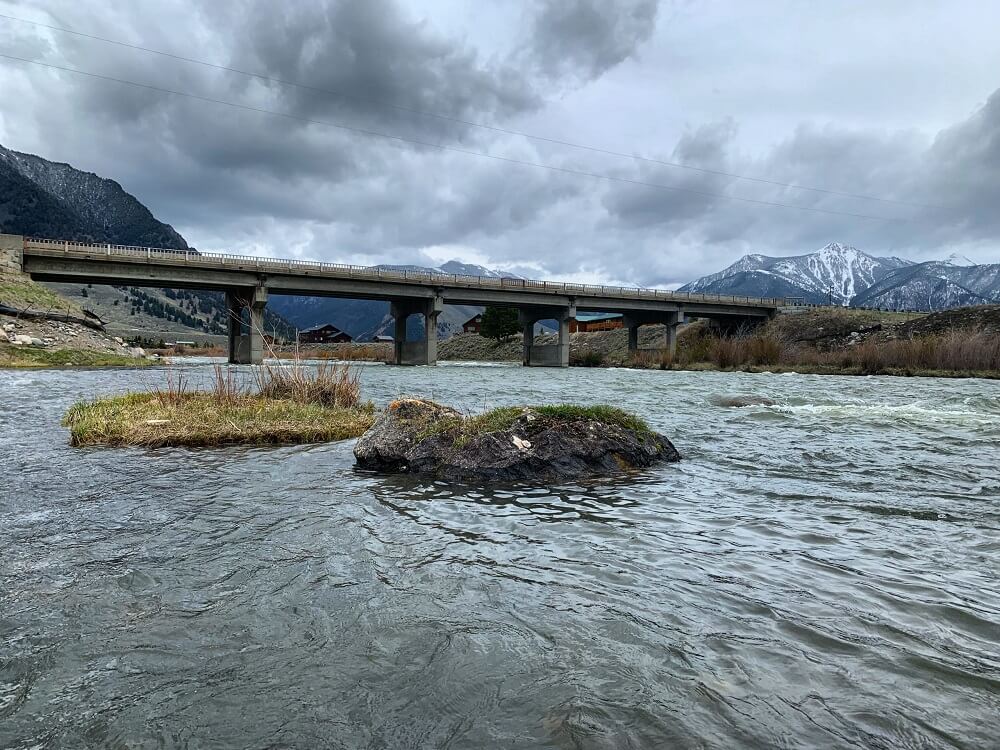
[935, 285]
[365, 319]
[41, 198]
[44, 198]
[851, 277]
[837, 272]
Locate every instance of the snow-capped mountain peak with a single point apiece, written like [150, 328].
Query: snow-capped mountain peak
[957, 259]
[835, 273]
[471, 269]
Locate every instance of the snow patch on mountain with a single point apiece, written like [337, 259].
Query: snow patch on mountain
[957, 259]
[836, 272]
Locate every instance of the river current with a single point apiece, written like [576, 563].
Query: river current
[822, 570]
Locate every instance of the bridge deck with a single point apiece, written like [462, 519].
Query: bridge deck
[281, 273]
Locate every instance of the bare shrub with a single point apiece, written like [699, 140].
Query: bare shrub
[588, 358]
[654, 359]
[956, 351]
[175, 391]
[329, 384]
[728, 352]
[764, 350]
[226, 386]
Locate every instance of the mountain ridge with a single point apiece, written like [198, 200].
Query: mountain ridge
[836, 272]
[843, 275]
[43, 198]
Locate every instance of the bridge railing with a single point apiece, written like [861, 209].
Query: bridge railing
[342, 270]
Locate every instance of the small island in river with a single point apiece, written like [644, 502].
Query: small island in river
[269, 405]
[563, 441]
[283, 405]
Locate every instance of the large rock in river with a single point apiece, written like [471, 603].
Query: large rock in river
[532, 443]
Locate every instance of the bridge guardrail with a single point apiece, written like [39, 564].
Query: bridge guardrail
[198, 258]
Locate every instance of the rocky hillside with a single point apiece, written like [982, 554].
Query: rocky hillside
[49, 199]
[41, 198]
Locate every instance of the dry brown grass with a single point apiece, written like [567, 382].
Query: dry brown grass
[270, 404]
[960, 351]
[198, 419]
[327, 384]
[957, 351]
[651, 359]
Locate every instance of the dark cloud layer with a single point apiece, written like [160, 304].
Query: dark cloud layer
[255, 182]
[588, 37]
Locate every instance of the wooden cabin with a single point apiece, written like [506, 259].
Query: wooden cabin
[587, 322]
[473, 325]
[324, 334]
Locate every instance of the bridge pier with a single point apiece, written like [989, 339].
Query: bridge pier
[669, 320]
[423, 352]
[11, 252]
[246, 348]
[546, 355]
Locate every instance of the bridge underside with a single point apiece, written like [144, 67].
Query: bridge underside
[247, 289]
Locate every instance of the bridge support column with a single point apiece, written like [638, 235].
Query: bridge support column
[546, 355]
[11, 252]
[246, 348]
[424, 351]
[669, 320]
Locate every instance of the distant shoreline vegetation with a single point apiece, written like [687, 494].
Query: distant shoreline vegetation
[31, 357]
[824, 341]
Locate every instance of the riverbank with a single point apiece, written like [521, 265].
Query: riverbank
[39, 329]
[27, 357]
[953, 343]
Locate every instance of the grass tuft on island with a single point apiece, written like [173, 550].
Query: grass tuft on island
[280, 405]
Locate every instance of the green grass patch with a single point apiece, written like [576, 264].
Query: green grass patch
[201, 419]
[33, 356]
[18, 290]
[503, 418]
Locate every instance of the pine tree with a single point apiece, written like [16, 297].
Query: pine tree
[499, 323]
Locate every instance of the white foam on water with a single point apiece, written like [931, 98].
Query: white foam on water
[914, 412]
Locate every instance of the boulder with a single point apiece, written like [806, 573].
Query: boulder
[533, 444]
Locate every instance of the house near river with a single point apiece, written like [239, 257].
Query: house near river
[324, 334]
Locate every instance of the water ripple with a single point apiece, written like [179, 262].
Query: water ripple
[820, 571]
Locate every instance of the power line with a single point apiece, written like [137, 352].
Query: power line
[454, 149]
[462, 121]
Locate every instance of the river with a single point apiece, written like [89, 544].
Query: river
[819, 572]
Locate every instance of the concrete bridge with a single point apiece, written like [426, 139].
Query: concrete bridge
[248, 281]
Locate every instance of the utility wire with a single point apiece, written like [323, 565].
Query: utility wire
[453, 149]
[459, 120]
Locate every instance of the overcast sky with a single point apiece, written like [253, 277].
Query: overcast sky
[895, 100]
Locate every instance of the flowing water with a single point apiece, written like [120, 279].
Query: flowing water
[822, 570]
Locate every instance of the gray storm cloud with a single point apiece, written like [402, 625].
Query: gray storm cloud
[588, 37]
[229, 178]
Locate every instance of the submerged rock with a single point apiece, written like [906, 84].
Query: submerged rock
[740, 402]
[532, 443]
